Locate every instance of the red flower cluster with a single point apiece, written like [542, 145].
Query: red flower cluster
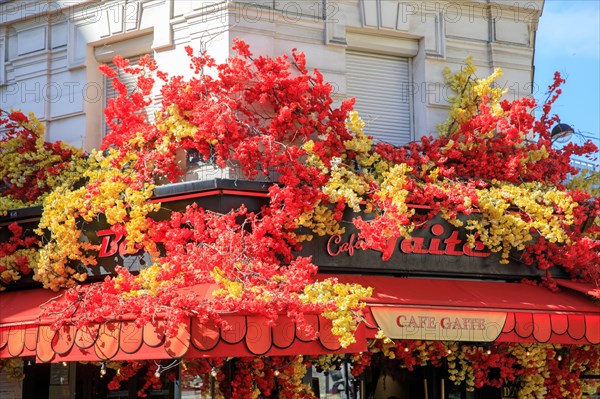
[10, 260]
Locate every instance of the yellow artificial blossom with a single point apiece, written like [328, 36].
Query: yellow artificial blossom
[345, 184]
[344, 299]
[231, 289]
[291, 377]
[360, 144]
[19, 165]
[502, 226]
[313, 159]
[531, 357]
[10, 265]
[587, 181]
[392, 188]
[7, 203]
[175, 128]
[532, 360]
[147, 282]
[469, 93]
[320, 220]
[68, 207]
[12, 368]
[328, 362]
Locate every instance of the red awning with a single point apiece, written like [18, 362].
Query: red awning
[23, 333]
[410, 308]
[441, 308]
[586, 288]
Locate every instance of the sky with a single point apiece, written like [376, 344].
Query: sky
[568, 41]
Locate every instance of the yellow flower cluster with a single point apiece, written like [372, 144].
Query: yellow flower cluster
[232, 289]
[12, 368]
[535, 156]
[587, 181]
[11, 267]
[589, 386]
[313, 159]
[345, 184]
[531, 360]
[18, 166]
[68, 207]
[147, 282]
[392, 188]
[360, 144]
[7, 203]
[531, 357]
[349, 180]
[319, 220]
[346, 300]
[469, 91]
[291, 377]
[503, 226]
[459, 368]
[352, 181]
[175, 128]
[329, 361]
[383, 344]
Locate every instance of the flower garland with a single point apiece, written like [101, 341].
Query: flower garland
[539, 371]
[320, 177]
[495, 164]
[534, 368]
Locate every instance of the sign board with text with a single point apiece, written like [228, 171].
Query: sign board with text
[439, 325]
[436, 248]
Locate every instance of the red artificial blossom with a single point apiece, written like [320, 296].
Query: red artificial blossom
[29, 163]
[13, 260]
[201, 246]
[257, 113]
[497, 152]
[493, 366]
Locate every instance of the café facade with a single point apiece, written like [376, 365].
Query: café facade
[432, 287]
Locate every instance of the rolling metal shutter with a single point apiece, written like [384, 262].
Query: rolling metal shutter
[381, 86]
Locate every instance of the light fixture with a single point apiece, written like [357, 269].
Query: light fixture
[103, 369]
[157, 372]
[561, 353]
[406, 349]
[488, 349]
[64, 364]
[561, 133]
[213, 372]
[276, 373]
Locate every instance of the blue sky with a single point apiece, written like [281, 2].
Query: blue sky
[568, 41]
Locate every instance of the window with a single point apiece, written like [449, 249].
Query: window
[381, 86]
[132, 49]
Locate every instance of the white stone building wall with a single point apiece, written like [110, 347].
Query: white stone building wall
[50, 50]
